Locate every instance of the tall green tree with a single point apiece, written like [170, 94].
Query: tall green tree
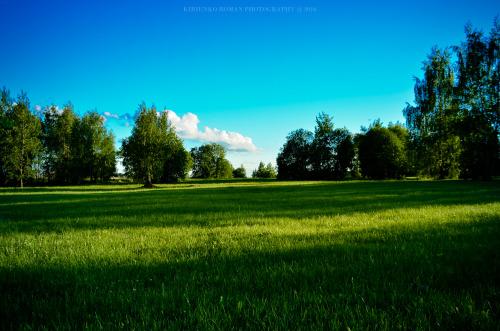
[332, 150]
[22, 140]
[93, 153]
[478, 93]
[293, 160]
[432, 121]
[5, 126]
[58, 135]
[177, 162]
[209, 161]
[153, 152]
[455, 124]
[322, 153]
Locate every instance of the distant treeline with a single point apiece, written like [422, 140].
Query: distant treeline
[451, 132]
[52, 145]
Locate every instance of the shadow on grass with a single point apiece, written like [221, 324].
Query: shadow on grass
[229, 205]
[364, 284]
[125, 185]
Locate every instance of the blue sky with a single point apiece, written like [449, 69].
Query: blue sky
[243, 73]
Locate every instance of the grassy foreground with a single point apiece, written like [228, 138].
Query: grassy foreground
[252, 254]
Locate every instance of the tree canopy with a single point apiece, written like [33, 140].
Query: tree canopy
[209, 161]
[264, 171]
[327, 154]
[383, 152]
[454, 125]
[21, 145]
[154, 152]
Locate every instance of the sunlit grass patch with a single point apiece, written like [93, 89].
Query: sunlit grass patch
[250, 254]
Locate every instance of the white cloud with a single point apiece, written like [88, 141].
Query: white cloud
[187, 128]
[104, 119]
[108, 114]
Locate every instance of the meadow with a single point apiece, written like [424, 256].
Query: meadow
[252, 254]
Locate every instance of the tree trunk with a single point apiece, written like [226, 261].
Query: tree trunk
[148, 182]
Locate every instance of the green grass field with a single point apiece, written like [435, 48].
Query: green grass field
[252, 254]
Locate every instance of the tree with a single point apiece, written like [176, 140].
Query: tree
[5, 127]
[264, 171]
[93, 151]
[454, 127]
[326, 155]
[22, 140]
[177, 161]
[383, 151]
[209, 162]
[322, 156]
[478, 95]
[332, 151]
[240, 172]
[432, 121]
[153, 152]
[293, 159]
[57, 139]
[343, 152]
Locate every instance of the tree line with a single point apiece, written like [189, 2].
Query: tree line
[452, 131]
[59, 147]
[454, 126]
[53, 146]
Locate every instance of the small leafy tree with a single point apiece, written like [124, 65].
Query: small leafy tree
[264, 171]
[383, 151]
[240, 172]
[209, 161]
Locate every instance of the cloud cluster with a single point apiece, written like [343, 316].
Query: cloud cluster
[187, 128]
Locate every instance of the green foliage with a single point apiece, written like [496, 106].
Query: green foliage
[454, 126]
[329, 154]
[154, 152]
[264, 171]
[383, 152]
[5, 126]
[21, 132]
[209, 161]
[178, 161]
[77, 148]
[433, 119]
[58, 138]
[293, 159]
[252, 254]
[240, 172]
